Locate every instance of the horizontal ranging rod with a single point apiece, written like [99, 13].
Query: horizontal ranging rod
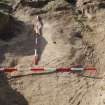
[36, 69]
[9, 69]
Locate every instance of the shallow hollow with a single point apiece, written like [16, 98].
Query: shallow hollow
[34, 4]
[72, 1]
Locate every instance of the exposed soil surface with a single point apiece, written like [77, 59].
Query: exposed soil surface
[66, 40]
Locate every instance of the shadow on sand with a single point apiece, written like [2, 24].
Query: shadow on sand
[40, 46]
[25, 45]
[8, 96]
[3, 49]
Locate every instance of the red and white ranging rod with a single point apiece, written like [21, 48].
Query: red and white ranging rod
[63, 69]
[7, 69]
[36, 69]
[36, 55]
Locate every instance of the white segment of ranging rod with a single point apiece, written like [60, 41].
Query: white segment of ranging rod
[2, 69]
[36, 40]
[76, 69]
[50, 69]
[35, 52]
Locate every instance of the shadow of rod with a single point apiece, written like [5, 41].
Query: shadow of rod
[49, 73]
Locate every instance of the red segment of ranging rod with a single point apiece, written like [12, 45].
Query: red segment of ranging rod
[90, 69]
[63, 69]
[8, 69]
[37, 69]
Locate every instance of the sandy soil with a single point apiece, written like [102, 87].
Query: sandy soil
[55, 89]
